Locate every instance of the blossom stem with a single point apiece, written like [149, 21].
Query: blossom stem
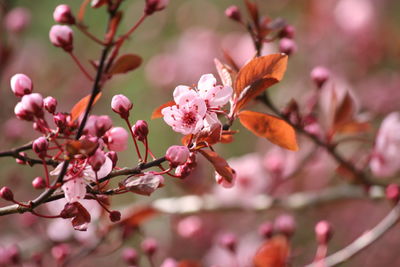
[134, 140]
[163, 172]
[46, 171]
[134, 27]
[45, 216]
[146, 144]
[80, 66]
[83, 29]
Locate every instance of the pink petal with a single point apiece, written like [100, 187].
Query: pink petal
[74, 190]
[219, 96]
[206, 83]
[182, 90]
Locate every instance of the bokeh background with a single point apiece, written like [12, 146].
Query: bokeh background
[358, 40]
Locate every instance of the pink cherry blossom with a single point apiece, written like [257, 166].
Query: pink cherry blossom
[385, 160]
[117, 139]
[187, 115]
[79, 175]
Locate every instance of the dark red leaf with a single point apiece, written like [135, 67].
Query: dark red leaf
[273, 253]
[157, 112]
[125, 63]
[80, 107]
[221, 166]
[143, 185]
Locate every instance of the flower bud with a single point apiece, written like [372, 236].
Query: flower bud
[97, 160]
[130, 256]
[60, 120]
[40, 146]
[115, 216]
[169, 262]
[183, 171]
[266, 230]
[228, 241]
[33, 103]
[392, 192]
[62, 36]
[21, 113]
[63, 14]
[155, 5]
[233, 13]
[319, 75]
[21, 161]
[149, 246]
[285, 224]
[117, 139]
[287, 46]
[21, 85]
[6, 193]
[287, 32]
[38, 183]
[13, 255]
[140, 130]
[121, 105]
[177, 155]
[113, 156]
[189, 227]
[17, 20]
[60, 252]
[102, 125]
[50, 104]
[323, 232]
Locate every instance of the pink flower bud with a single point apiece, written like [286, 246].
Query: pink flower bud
[287, 46]
[50, 104]
[115, 216]
[155, 5]
[140, 130]
[117, 139]
[17, 20]
[60, 252]
[63, 14]
[33, 103]
[21, 113]
[13, 255]
[97, 160]
[60, 120]
[285, 224]
[183, 171]
[38, 183]
[21, 84]
[393, 192]
[320, 75]
[121, 105]
[62, 36]
[233, 13]
[6, 193]
[287, 32]
[169, 262]
[130, 256]
[323, 232]
[228, 241]
[177, 155]
[266, 229]
[189, 227]
[113, 156]
[149, 246]
[21, 161]
[102, 125]
[40, 146]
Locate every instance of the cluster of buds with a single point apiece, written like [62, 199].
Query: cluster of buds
[154, 6]
[186, 169]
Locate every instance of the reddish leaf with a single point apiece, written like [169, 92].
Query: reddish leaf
[125, 63]
[344, 113]
[354, 127]
[143, 185]
[230, 61]
[227, 137]
[219, 163]
[224, 73]
[211, 136]
[273, 253]
[256, 76]
[274, 129]
[253, 11]
[80, 107]
[80, 216]
[84, 147]
[157, 112]
[138, 216]
[189, 263]
[113, 26]
[82, 10]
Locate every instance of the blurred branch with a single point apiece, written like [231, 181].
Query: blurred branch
[361, 242]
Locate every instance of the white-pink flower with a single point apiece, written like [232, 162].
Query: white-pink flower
[187, 115]
[79, 175]
[385, 160]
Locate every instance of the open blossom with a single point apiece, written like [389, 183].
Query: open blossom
[197, 107]
[78, 176]
[385, 160]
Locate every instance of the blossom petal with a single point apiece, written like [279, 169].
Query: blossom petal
[57, 170]
[105, 169]
[206, 83]
[74, 190]
[219, 96]
[181, 90]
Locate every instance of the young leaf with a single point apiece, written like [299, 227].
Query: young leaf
[157, 112]
[274, 129]
[125, 63]
[219, 163]
[136, 217]
[223, 72]
[144, 185]
[273, 253]
[344, 113]
[80, 107]
[256, 76]
[82, 10]
[253, 11]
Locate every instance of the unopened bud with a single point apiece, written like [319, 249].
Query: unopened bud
[60, 252]
[113, 156]
[320, 75]
[130, 256]
[62, 36]
[97, 160]
[40, 146]
[266, 230]
[155, 5]
[121, 105]
[17, 20]
[228, 241]
[102, 125]
[117, 139]
[287, 32]
[183, 171]
[21, 113]
[60, 120]
[287, 46]
[177, 155]
[392, 192]
[63, 14]
[149, 246]
[233, 13]
[140, 130]
[323, 232]
[6, 193]
[38, 183]
[285, 224]
[33, 103]
[21, 84]
[50, 104]
[21, 161]
[13, 254]
[115, 216]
